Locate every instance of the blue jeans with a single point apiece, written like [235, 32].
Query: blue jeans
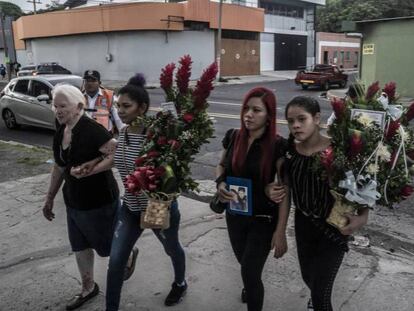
[127, 231]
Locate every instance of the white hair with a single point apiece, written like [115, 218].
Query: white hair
[72, 94]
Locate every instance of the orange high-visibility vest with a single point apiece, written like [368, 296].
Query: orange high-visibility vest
[103, 106]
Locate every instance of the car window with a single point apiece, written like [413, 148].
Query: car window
[28, 68]
[22, 87]
[73, 81]
[57, 68]
[11, 85]
[39, 88]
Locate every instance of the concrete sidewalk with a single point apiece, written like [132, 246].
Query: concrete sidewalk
[265, 76]
[38, 271]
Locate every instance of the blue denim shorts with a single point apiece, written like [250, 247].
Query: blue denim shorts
[92, 228]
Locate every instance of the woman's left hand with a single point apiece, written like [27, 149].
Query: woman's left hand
[355, 223]
[279, 243]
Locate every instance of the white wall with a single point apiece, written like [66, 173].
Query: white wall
[133, 51]
[267, 56]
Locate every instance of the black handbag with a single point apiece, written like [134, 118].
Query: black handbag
[216, 205]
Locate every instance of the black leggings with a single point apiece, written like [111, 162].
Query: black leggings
[251, 238]
[319, 260]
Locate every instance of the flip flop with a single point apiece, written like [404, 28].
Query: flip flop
[130, 270]
[79, 300]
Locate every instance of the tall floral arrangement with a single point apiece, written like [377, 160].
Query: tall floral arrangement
[368, 161]
[174, 136]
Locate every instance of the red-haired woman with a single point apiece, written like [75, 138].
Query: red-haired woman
[252, 153]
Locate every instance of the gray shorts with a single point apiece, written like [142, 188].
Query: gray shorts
[92, 228]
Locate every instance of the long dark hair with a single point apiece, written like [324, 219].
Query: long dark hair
[135, 89]
[307, 103]
[269, 136]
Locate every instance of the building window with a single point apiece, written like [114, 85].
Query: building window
[282, 9]
[347, 55]
[335, 55]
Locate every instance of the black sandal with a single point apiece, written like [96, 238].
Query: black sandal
[79, 300]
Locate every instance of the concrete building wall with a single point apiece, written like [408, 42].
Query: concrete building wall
[267, 52]
[274, 23]
[340, 50]
[132, 52]
[392, 58]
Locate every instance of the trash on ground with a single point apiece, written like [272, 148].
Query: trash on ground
[360, 240]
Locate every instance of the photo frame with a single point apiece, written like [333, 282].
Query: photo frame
[377, 116]
[242, 189]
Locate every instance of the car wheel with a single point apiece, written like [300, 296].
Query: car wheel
[305, 87]
[10, 119]
[325, 86]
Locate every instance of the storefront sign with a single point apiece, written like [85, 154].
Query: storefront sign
[368, 49]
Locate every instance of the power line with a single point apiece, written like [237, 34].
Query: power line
[34, 4]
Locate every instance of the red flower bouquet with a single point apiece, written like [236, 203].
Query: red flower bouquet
[367, 163]
[174, 135]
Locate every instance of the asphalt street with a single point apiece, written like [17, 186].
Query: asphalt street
[225, 102]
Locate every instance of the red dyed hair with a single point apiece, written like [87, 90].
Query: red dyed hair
[268, 139]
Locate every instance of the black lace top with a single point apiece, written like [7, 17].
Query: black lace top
[310, 193]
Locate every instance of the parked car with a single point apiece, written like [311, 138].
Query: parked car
[41, 69]
[322, 76]
[27, 100]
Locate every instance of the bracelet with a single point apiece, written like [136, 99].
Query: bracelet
[220, 179]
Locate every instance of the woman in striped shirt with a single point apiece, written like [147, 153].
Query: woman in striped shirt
[133, 102]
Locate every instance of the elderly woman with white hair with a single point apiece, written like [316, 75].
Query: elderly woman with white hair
[91, 196]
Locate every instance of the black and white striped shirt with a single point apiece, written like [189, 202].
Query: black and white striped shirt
[124, 160]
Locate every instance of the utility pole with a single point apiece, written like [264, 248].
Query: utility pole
[34, 4]
[218, 59]
[6, 50]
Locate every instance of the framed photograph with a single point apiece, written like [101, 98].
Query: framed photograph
[169, 106]
[377, 117]
[241, 189]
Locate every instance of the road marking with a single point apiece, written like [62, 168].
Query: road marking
[230, 104]
[232, 116]
[224, 103]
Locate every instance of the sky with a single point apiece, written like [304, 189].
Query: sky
[26, 6]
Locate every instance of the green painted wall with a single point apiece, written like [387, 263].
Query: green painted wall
[393, 59]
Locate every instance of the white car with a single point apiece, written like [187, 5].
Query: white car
[27, 100]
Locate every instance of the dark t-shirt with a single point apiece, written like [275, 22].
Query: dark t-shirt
[251, 169]
[93, 191]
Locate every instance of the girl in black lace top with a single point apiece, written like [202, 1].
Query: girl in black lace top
[251, 153]
[320, 246]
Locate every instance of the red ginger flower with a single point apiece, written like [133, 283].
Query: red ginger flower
[392, 129]
[166, 77]
[327, 158]
[162, 140]
[410, 113]
[153, 154]
[339, 107]
[183, 74]
[188, 117]
[139, 161]
[204, 86]
[389, 89]
[356, 143]
[406, 191]
[372, 90]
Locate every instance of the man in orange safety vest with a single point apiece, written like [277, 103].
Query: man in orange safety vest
[100, 105]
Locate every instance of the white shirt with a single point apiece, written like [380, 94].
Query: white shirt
[114, 112]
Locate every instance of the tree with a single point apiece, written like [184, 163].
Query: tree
[329, 18]
[10, 9]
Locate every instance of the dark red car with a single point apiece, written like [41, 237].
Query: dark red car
[322, 76]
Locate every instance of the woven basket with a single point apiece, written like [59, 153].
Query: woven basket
[157, 214]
